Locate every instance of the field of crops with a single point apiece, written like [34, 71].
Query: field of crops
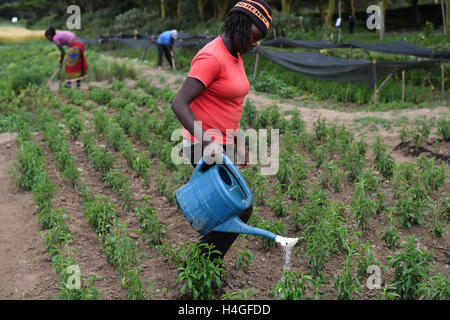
[90, 171]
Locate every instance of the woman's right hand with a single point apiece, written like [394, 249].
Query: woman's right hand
[211, 151]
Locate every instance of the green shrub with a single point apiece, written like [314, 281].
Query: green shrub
[101, 96]
[201, 271]
[411, 268]
[153, 231]
[292, 286]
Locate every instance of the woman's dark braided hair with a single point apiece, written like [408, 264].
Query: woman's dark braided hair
[240, 24]
[50, 32]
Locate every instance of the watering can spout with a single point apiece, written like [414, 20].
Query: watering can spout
[236, 225]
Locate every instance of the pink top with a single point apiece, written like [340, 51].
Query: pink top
[63, 38]
[219, 106]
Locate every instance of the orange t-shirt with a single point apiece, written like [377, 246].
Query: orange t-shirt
[219, 106]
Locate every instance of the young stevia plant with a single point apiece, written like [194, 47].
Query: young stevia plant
[432, 175]
[87, 290]
[153, 231]
[362, 206]
[245, 256]
[346, 281]
[443, 126]
[437, 227]
[410, 211]
[354, 162]
[138, 288]
[391, 235]
[292, 286]
[200, 272]
[331, 176]
[122, 253]
[100, 214]
[116, 181]
[411, 268]
[436, 288]
[75, 125]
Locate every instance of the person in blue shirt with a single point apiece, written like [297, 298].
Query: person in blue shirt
[165, 44]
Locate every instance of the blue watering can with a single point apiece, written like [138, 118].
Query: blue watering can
[214, 197]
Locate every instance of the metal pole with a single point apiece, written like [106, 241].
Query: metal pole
[444, 25]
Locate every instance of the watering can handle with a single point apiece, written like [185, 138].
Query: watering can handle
[201, 167]
[235, 172]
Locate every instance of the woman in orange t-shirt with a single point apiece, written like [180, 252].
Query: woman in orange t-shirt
[214, 91]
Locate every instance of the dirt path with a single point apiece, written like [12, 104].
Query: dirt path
[26, 271]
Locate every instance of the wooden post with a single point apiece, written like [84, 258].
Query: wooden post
[144, 53]
[374, 71]
[403, 85]
[386, 80]
[442, 80]
[346, 91]
[444, 24]
[334, 89]
[256, 65]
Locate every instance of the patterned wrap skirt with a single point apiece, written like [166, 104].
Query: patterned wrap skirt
[76, 65]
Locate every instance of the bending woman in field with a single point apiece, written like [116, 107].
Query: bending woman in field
[76, 65]
[214, 92]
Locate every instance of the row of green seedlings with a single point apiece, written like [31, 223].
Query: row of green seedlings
[57, 235]
[417, 135]
[121, 251]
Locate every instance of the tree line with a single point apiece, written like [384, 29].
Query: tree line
[195, 9]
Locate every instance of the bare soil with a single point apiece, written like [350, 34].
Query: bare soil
[26, 271]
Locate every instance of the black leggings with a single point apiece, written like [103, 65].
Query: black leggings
[221, 240]
[166, 50]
